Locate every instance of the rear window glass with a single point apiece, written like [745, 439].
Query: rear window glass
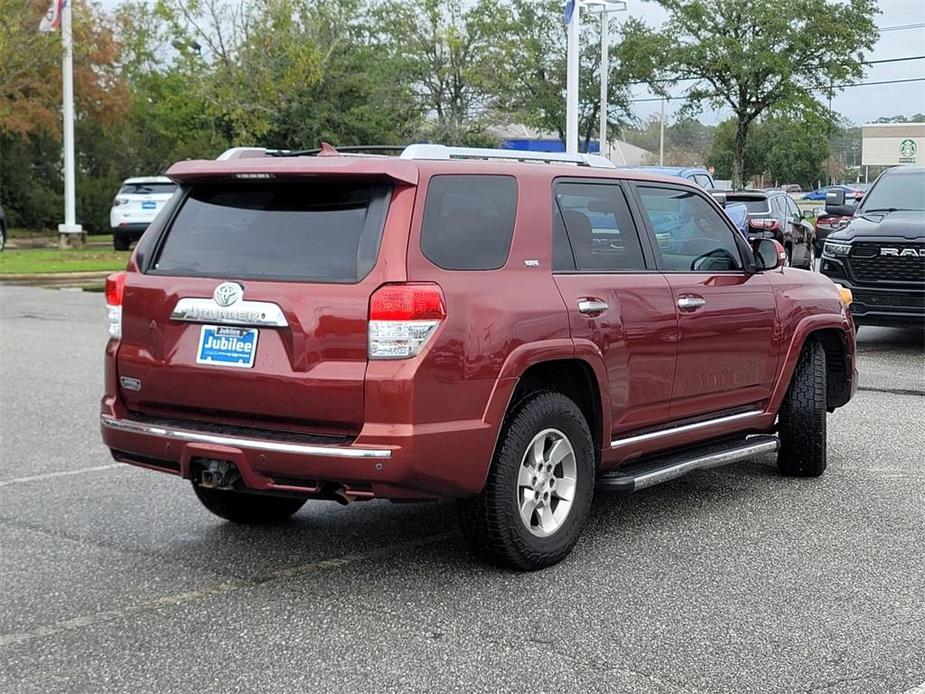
[754, 205]
[147, 188]
[469, 221]
[301, 231]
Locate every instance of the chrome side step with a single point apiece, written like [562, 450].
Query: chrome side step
[648, 473]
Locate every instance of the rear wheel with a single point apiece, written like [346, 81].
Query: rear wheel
[120, 243]
[539, 489]
[247, 508]
[802, 420]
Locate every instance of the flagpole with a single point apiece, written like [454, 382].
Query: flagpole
[70, 228]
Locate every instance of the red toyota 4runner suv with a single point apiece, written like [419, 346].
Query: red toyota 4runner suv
[508, 328]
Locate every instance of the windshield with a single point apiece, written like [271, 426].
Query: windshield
[904, 190]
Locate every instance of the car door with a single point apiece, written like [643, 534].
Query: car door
[727, 350]
[617, 300]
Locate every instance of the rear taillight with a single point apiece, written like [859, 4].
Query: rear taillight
[119, 201]
[766, 224]
[402, 318]
[115, 287]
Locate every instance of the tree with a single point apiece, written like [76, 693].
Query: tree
[528, 66]
[797, 149]
[441, 47]
[365, 95]
[756, 56]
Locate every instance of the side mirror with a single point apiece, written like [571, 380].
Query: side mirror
[720, 197]
[835, 203]
[769, 254]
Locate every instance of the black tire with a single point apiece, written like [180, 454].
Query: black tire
[245, 508]
[2, 237]
[492, 521]
[119, 243]
[802, 417]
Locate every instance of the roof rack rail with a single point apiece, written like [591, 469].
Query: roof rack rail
[249, 153]
[426, 152]
[442, 152]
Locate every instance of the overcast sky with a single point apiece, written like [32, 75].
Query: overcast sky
[857, 104]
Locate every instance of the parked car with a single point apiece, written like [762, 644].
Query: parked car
[458, 323]
[773, 214]
[792, 188]
[135, 206]
[703, 178]
[851, 192]
[880, 253]
[826, 224]
[2, 229]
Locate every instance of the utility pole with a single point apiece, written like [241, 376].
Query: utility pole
[70, 233]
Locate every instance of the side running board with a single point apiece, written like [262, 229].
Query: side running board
[639, 475]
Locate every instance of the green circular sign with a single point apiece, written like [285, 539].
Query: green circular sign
[907, 147]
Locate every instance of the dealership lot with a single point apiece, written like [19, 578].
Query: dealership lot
[731, 580]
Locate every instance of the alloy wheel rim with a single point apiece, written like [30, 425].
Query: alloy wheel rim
[546, 483]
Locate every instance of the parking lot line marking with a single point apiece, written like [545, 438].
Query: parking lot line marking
[61, 473]
[217, 589]
[892, 391]
[916, 690]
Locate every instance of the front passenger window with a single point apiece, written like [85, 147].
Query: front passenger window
[690, 235]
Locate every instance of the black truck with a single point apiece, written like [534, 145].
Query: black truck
[880, 254]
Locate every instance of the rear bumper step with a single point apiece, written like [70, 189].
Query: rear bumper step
[258, 444]
[638, 476]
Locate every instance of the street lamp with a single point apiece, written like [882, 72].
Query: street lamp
[572, 16]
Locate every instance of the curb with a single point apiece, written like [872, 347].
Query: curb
[54, 278]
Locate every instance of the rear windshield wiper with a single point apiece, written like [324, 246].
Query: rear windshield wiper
[890, 209]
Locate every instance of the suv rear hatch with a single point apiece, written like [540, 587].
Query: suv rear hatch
[297, 263]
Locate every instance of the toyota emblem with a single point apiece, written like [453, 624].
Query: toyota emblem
[227, 293]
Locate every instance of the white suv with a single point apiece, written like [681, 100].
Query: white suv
[135, 206]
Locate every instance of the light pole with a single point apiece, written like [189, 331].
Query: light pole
[572, 15]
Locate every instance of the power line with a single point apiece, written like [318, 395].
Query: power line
[836, 86]
[899, 27]
[894, 60]
[865, 62]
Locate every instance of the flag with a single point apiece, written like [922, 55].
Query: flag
[52, 18]
[569, 10]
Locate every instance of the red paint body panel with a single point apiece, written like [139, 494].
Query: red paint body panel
[438, 415]
[728, 348]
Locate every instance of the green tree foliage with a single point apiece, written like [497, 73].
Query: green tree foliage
[752, 57]
[781, 147]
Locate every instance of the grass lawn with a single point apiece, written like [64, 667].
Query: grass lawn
[30, 261]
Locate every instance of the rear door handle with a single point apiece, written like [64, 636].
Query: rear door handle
[690, 303]
[592, 306]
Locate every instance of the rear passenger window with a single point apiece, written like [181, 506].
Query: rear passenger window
[691, 236]
[469, 221]
[599, 229]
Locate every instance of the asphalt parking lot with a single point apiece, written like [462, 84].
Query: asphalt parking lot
[731, 580]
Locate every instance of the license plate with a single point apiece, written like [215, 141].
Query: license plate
[221, 345]
[148, 205]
